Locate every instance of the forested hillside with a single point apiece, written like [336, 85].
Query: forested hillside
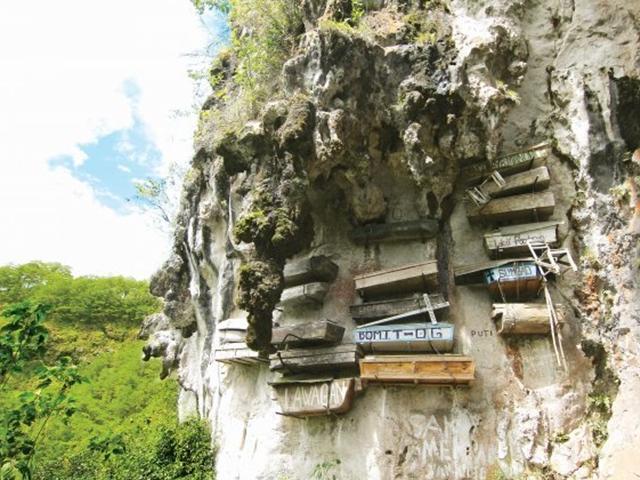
[116, 419]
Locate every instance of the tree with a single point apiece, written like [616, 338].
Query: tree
[22, 344]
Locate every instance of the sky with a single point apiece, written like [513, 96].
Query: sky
[94, 96]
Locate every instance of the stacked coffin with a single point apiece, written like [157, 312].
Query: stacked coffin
[523, 247]
[399, 328]
[232, 349]
[315, 371]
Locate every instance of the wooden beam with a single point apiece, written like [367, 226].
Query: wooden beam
[408, 278]
[327, 359]
[529, 181]
[367, 312]
[311, 294]
[320, 332]
[527, 206]
[409, 337]
[418, 369]
[512, 240]
[308, 398]
[522, 318]
[394, 232]
[308, 270]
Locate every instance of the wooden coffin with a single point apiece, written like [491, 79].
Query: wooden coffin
[423, 369]
[308, 397]
[523, 318]
[232, 330]
[238, 353]
[409, 278]
[311, 294]
[514, 281]
[512, 240]
[324, 359]
[405, 337]
[474, 274]
[308, 270]
[394, 232]
[508, 164]
[534, 180]
[321, 332]
[370, 311]
[525, 207]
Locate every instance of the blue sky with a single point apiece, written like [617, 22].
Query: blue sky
[115, 162]
[91, 102]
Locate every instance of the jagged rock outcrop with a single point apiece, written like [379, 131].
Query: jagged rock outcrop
[375, 124]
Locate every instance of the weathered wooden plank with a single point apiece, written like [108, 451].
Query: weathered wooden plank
[523, 318]
[408, 337]
[369, 311]
[308, 270]
[307, 398]
[474, 274]
[523, 207]
[327, 359]
[529, 181]
[507, 164]
[238, 353]
[423, 369]
[514, 281]
[394, 232]
[512, 240]
[232, 330]
[320, 332]
[407, 278]
[311, 294]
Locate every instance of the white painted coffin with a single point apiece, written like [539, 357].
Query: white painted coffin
[407, 337]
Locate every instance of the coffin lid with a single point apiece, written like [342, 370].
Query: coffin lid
[473, 274]
[233, 324]
[523, 228]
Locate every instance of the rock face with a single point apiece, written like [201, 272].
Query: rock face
[376, 125]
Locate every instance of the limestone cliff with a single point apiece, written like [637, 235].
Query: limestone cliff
[379, 123]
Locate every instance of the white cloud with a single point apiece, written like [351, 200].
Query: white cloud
[65, 67]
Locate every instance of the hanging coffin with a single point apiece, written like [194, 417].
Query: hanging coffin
[369, 311]
[524, 207]
[516, 280]
[409, 278]
[308, 397]
[232, 330]
[393, 232]
[509, 164]
[321, 332]
[513, 240]
[534, 180]
[238, 353]
[311, 294]
[308, 270]
[418, 369]
[523, 318]
[407, 337]
[325, 359]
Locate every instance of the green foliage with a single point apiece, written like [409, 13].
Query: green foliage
[169, 452]
[25, 414]
[264, 33]
[96, 302]
[325, 470]
[223, 5]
